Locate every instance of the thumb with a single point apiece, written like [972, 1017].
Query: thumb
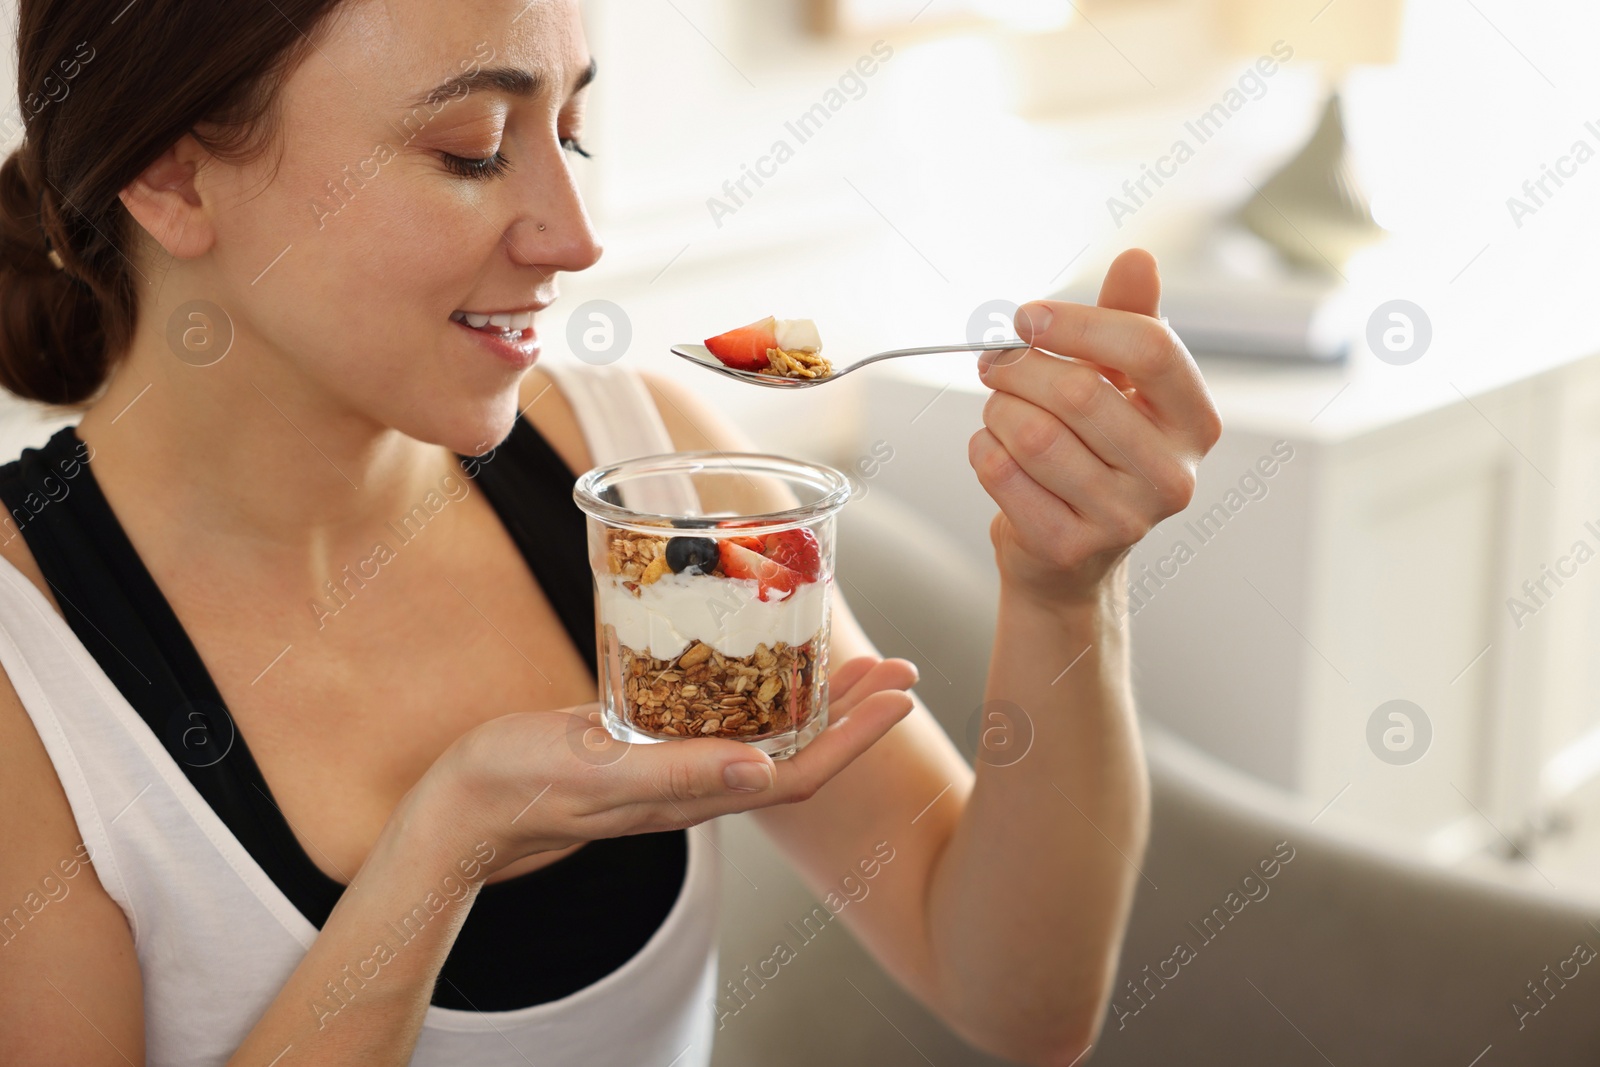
[1133, 284]
[698, 767]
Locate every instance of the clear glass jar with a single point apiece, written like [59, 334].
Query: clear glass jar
[712, 573]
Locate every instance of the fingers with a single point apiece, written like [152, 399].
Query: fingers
[849, 733]
[1137, 352]
[842, 679]
[835, 748]
[702, 778]
[569, 780]
[1081, 398]
[691, 770]
[893, 673]
[1075, 434]
[861, 677]
[1143, 350]
[1050, 452]
[1030, 506]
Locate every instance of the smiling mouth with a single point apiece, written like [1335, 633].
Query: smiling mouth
[510, 325]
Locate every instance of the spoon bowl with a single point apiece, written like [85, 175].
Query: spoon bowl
[701, 356]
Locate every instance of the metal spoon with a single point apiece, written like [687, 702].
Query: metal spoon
[701, 356]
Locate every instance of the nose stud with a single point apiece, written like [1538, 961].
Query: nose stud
[541, 227]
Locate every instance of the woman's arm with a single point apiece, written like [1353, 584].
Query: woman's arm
[69, 978]
[1003, 906]
[354, 998]
[1027, 907]
[1084, 455]
[70, 989]
[70, 986]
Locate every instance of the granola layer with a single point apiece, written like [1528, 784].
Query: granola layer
[782, 363]
[703, 693]
[638, 557]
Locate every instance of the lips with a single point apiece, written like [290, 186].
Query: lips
[510, 336]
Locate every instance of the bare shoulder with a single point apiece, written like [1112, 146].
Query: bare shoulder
[694, 423]
[542, 403]
[68, 952]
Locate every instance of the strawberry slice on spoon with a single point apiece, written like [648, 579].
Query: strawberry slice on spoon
[746, 348]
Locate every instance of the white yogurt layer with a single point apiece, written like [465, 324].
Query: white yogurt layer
[726, 613]
[797, 335]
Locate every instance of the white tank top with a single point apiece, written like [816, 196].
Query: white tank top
[216, 939]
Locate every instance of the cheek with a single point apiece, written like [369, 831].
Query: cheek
[344, 272]
[412, 229]
[363, 248]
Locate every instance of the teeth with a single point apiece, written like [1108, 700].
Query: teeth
[510, 322]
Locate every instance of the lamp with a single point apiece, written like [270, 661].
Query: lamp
[1312, 210]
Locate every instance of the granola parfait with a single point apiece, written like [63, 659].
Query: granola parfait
[712, 621]
[779, 348]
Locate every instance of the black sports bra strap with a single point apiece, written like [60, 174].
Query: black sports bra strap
[528, 940]
[530, 486]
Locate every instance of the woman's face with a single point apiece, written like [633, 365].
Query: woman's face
[423, 173]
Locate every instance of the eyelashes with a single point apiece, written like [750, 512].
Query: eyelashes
[467, 167]
[496, 165]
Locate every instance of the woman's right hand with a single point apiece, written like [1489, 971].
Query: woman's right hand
[540, 781]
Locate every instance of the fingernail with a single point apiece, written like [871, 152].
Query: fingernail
[1033, 320]
[747, 777]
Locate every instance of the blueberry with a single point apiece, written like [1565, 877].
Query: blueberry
[691, 555]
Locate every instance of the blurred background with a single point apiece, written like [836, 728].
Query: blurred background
[1374, 633]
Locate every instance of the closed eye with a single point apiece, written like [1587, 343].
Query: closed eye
[470, 167]
[496, 165]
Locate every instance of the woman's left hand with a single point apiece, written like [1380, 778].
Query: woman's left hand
[1085, 454]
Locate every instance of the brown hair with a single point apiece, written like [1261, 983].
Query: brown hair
[105, 87]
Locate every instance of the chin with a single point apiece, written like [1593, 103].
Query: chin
[468, 426]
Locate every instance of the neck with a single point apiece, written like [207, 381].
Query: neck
[251, 455]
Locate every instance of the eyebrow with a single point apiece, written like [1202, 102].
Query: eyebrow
[513, 81]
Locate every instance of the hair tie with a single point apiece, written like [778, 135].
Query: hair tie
[49, 246]
[55, 257]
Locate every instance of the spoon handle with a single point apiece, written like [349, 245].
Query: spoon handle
[977, 346]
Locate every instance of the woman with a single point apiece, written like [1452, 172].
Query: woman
[194, 766]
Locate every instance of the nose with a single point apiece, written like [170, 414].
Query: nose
[552, 229]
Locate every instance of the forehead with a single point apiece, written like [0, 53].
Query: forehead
[393, 51]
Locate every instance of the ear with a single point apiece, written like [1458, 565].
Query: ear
[165, 199]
